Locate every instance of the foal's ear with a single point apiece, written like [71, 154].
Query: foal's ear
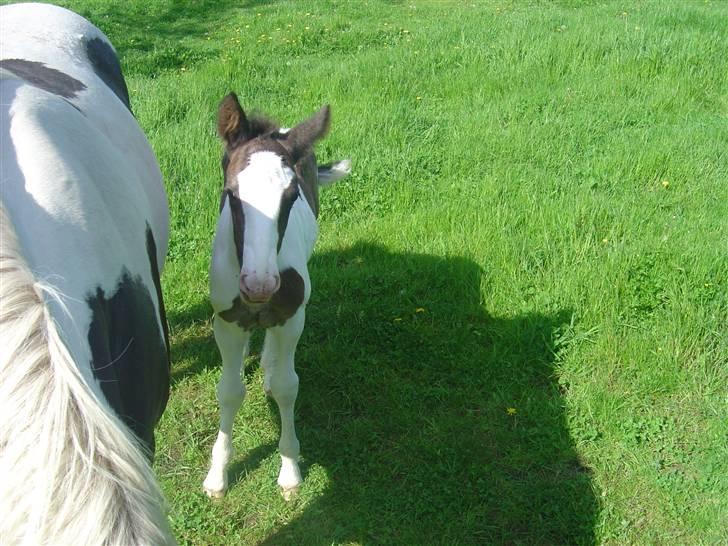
[302, 136]
[232, 125]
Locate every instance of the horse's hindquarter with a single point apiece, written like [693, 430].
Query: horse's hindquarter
[85, 197]
[77, 52]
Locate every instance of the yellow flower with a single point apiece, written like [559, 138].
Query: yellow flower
[665, 183]
[511, 411]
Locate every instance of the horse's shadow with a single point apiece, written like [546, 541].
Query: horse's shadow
[434, 421]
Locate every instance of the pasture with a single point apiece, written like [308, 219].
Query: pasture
[517, 332]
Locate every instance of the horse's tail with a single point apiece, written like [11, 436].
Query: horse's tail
[71, 471]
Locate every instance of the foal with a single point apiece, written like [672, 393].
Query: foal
[258, 276]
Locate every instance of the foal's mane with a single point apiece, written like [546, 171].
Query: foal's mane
[261, 125]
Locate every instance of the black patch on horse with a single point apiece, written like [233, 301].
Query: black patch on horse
[129, 355]
[48, 79]
[106, 65]
[154, 266]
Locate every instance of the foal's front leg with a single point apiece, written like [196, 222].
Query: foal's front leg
[233, 344]
[282, 381]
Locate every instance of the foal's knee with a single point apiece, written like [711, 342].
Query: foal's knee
[284, 386]
[230, 395]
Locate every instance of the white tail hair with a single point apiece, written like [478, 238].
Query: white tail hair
[71, 471]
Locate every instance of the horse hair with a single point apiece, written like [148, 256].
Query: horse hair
[71, 471]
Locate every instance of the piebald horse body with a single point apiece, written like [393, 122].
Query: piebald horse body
[258, 276]
[84, 367]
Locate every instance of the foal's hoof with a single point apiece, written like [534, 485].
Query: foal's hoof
[215, 487]
[214, 494]
[289, 493]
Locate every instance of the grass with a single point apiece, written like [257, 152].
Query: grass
[518, 328]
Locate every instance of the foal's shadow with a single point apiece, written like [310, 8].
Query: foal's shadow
[435, 422]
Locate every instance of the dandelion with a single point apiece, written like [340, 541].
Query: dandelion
[418, 98]
[511, 411]
[605, 240]
[665, 184]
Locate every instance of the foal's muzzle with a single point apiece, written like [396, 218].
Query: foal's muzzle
[255, 289]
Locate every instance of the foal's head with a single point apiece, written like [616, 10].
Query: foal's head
[261, 185]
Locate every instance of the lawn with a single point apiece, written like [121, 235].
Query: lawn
[517, 333]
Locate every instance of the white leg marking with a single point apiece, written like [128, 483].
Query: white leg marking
[232, 342]
[278, 358]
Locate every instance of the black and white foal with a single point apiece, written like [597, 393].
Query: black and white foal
[84, 366]
[258, 277]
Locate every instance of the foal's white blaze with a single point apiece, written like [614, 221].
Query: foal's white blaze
[260, 188]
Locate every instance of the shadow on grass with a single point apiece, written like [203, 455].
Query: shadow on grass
[242, 467]
[406, 385]
[405, 388]
[197, 351]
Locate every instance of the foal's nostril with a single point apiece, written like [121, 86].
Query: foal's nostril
[243, 286]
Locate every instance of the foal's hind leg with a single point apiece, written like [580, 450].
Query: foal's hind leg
[278, 361]
[233, 344]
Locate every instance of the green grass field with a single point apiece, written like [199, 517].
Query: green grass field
[517, 333]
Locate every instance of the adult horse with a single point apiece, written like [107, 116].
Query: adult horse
[84, 366]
